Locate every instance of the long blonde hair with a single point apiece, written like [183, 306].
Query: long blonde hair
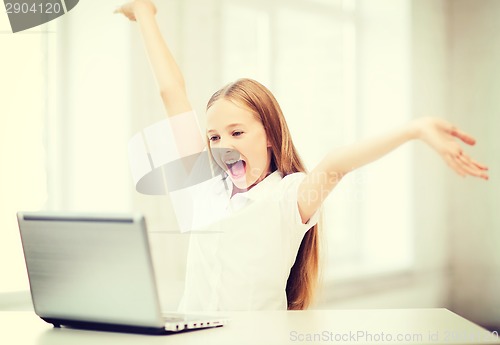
[303, 276]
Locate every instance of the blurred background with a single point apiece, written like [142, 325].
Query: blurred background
[404, 232]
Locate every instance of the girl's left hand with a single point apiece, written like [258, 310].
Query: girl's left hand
[129, 9]
[442, 136]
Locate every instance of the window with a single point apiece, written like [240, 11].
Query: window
[23, 176]
[66, 106]
[340, 71]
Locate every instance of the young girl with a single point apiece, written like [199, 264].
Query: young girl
[256, 239]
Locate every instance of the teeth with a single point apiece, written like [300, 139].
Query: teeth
[231, 161]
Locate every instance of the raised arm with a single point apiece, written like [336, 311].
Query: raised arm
[438, 134]
[167, 73]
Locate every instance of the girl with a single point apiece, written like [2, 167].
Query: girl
[262, 251]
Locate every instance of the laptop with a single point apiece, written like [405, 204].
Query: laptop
[94, 271]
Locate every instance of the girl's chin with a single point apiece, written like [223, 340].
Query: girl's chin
[245, 182]
[240, 184]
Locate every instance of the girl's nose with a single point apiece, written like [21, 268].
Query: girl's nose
[224, 150]
[225, 144]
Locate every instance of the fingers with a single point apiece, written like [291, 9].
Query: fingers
[453, 153]
[464, 166]
[480, 166]
[126, 11]
[119, 10]
[461, 162]
[466, 138]
[452, 163]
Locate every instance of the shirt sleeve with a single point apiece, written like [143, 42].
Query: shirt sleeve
[290, 208]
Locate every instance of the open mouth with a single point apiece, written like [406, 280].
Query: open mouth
[236, 167]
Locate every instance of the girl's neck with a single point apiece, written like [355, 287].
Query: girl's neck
[237, 190]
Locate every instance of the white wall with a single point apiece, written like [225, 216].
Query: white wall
[474, 84]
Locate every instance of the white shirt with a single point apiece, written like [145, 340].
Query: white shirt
[241, 248]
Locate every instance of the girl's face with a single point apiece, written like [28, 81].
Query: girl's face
[238, 143]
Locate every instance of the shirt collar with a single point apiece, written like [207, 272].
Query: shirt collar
[260, 189]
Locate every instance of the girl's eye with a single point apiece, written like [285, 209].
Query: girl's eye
[213, 138]
[237, 133]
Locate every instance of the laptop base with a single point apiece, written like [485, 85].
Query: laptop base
[95, 326]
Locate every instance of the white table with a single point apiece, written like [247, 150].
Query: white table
[414, 326]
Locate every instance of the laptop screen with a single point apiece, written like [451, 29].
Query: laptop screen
[89, 267]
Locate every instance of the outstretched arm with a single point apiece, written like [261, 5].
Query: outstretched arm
[438, 134]
[167, 73]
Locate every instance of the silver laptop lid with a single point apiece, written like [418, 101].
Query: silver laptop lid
[90, 267]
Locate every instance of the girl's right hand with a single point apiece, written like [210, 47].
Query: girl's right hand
[442, 137]
[130, 9]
